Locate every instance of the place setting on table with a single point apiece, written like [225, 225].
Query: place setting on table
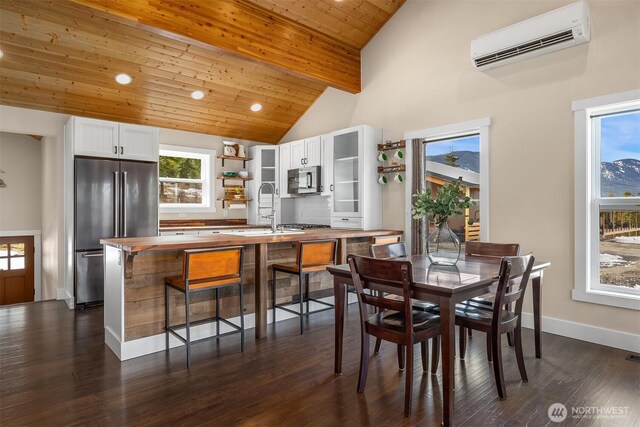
[479, 289]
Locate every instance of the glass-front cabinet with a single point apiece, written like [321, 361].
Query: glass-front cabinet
[351, 176]
[346, 173]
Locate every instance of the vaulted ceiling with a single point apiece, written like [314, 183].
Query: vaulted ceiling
[62, 56]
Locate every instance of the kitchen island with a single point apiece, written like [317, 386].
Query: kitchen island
[135, 269]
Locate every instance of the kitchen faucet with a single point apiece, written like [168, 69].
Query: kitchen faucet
[272, 217]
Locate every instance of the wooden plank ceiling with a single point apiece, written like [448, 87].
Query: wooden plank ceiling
[62, 56]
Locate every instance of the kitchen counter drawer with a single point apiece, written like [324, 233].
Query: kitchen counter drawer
[344, 222]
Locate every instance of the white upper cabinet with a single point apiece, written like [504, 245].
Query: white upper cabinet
[298, 154]
[313, 148]
[306, 152]
[285, 165]
[139, 142]
[101, 138]
[96, 138]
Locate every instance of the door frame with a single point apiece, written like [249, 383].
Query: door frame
[37, 261]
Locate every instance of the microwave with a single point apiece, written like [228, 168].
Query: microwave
[304, 181]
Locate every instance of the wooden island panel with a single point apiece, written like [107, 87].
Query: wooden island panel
[144, 291]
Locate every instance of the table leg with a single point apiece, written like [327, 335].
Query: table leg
[339, 290]
[261, 290]
[448, 331]
[537, 312]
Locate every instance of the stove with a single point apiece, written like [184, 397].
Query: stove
[302, 226]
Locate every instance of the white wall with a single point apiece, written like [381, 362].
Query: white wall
[417, 73]
[20, 200]
[49, 125]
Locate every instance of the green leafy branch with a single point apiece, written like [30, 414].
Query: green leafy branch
[450, 200]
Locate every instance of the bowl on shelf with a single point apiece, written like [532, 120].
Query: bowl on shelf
[243, 174]
[229, 174]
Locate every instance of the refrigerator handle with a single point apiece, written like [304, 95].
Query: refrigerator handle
[124, 203]
[116, 204]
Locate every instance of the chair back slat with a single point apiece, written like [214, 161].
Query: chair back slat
[512, 284]
[199, 264]
[491, 249]
[317, 252]
[388, 250]
[385, 303]
[383, 240]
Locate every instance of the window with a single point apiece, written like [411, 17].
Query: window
[608, 200]
[185, 179]
[449, 152]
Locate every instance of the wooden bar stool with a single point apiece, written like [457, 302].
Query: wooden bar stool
[202, 270]
[311, 257]
[384, 240]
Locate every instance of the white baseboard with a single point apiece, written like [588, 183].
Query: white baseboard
[62, 294]
[592, 334]
[142, 346]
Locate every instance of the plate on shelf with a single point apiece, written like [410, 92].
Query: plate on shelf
[229, 173]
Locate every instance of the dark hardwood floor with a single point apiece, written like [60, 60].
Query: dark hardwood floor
[56, 370]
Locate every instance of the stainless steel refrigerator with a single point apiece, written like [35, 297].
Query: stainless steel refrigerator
[112, 199]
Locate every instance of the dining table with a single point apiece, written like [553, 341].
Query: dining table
[446, 286]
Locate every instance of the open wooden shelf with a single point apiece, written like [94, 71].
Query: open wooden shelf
[391, 169]
[233, 178]
[229, 200]
[392, 145]
[244, 160]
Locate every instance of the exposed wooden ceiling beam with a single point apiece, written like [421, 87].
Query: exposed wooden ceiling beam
[247, 30]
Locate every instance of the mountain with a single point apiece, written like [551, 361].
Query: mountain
[469, 160]
[619, 176]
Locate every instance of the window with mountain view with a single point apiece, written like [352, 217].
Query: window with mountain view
[616, 149]
[445, 161]
[184, 178]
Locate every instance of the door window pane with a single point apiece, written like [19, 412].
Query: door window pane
[17, 249]
[445, 161]
[4, 249]
[4, 263]
[17, 263]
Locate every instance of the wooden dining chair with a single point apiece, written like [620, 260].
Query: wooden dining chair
[497, 319]
[398, 250]
[203, 270]
[395, 321]
[311, 257]
[485, 250]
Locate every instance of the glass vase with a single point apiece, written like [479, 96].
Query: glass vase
[443, 246]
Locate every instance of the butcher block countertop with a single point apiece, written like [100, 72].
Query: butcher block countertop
[164, 243]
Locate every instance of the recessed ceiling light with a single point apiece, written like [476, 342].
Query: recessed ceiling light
[197, 94]
[256, 107]
[123, 79]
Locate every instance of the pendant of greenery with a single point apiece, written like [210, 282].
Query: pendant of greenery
[449, 201]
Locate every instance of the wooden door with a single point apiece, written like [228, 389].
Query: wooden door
[16, 269]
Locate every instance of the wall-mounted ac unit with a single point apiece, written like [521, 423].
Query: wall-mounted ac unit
[555, 30]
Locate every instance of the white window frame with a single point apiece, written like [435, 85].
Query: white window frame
[472, 127]
[207, 179]
[587, 287]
